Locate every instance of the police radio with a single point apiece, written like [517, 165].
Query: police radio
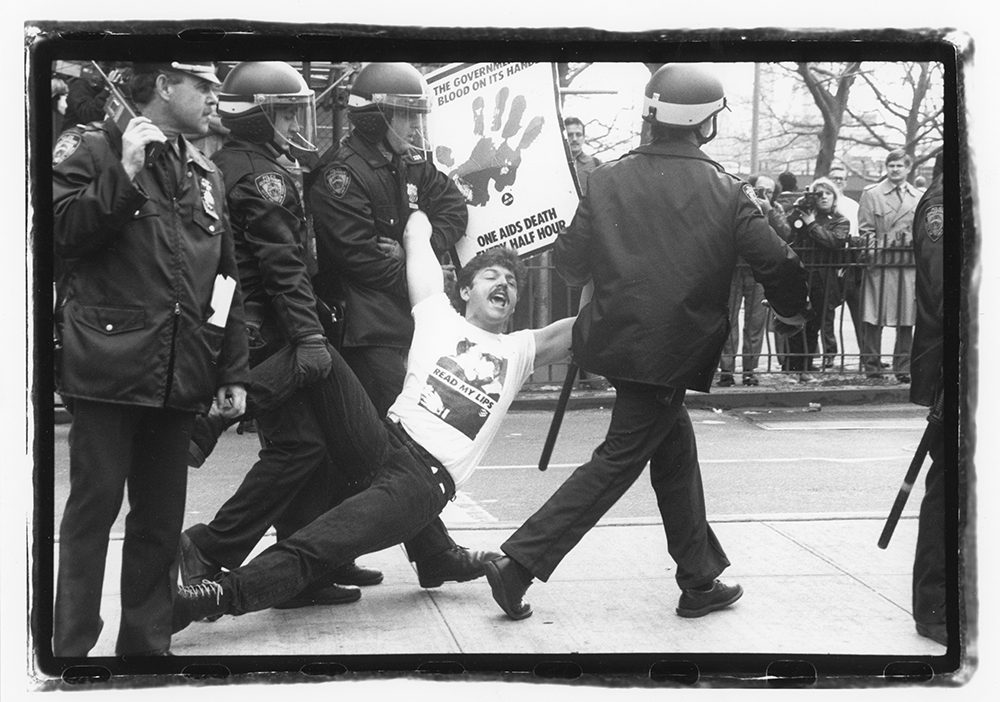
[120, 111]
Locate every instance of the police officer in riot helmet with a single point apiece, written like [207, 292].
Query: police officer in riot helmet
[360, 197]
[270, 112]
[268, 102]
[658, 237]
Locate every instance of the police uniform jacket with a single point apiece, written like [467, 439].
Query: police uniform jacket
[659, 232]
[927, 355]
[141, 261]
[356, 195]
[272, 249]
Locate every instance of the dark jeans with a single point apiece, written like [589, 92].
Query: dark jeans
[647, 424]
[748, 292]
[929, 576]
[803, 346]
[292, 482]
[381, 371]
[112, 445]
[408, 492]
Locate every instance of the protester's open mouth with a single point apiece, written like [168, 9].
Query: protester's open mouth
[499, 297]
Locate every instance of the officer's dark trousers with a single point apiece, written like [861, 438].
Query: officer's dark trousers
[112, 445]
[647, 424]
[292, 468]
[408, 492]
[929, 574]
[381, 371]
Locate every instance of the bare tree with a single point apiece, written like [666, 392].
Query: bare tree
[909, 114]
[830, 86]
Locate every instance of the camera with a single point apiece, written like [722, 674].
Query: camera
[804, 205]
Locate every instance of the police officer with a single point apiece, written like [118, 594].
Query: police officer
[360, 197]
[658, 236]
[152, 327]
[270, 114]
[927, 364]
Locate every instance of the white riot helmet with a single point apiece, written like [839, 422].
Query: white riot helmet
[685, 96]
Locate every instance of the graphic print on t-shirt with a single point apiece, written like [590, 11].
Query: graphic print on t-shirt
[463, 389]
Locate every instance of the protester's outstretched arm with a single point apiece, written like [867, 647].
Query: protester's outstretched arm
[423, 271]
[552, 343]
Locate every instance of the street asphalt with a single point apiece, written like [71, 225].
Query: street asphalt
[823, 604]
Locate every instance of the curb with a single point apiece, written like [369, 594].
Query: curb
[730, 399]
[718, 399]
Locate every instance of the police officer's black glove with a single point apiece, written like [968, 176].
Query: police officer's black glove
[312, 360]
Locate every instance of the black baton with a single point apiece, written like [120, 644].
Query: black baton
[930, 435]
[550, 440]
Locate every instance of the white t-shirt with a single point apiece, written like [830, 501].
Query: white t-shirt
[460, 381]
[849, 208]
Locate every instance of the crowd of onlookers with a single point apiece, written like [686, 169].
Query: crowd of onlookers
[859, 256]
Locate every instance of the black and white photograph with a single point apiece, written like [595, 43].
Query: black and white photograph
[636, 359]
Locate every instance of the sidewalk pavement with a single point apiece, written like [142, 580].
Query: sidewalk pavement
[814, 584]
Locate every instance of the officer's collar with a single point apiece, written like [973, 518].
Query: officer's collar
[368, 151]
[677, 148]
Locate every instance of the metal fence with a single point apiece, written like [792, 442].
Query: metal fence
[830, 350]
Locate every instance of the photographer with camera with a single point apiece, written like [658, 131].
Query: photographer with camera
[819, 237]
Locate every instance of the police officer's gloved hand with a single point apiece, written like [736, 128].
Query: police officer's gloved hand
[312, 359]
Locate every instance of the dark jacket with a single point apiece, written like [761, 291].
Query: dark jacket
[141, 262]
[823, 242]
[659, 232]
[927, 355]
[270, 233]
[356, 195]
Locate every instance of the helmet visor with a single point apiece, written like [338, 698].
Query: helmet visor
[293, 119]
[408, 131]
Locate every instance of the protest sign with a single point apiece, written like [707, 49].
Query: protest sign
[497, 133]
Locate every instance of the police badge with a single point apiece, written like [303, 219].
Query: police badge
[338, 180]
[752, 196]
[413, 195]
[272, 187]
[64, 148]
[934, 222]
[208, 198]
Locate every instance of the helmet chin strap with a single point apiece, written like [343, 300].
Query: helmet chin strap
[704, 136]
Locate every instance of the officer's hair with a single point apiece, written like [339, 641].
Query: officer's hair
[142, 86]
[660, 131]
[898, 155]
[575, 120]
[501, 256]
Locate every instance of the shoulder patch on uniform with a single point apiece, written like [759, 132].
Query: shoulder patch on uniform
[934, 222]
[338, 180]
[752, 196]
[271, 186]
[65, 146]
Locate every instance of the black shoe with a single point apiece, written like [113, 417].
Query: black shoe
[194, 566]
[353, 574]
[329, 595]
[726, 380]
[903, 378]
[935, 632]
[874, 376]
[750, 379]
[457, 564]
[204, 436]
[508, 587]
[698, 603]
[208, 599]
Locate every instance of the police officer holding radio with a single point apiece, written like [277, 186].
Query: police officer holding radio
[658, 234]
[152, 328]
[360, 197]
[269, 111]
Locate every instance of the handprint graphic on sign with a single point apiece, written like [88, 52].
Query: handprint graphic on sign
[493, 158]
